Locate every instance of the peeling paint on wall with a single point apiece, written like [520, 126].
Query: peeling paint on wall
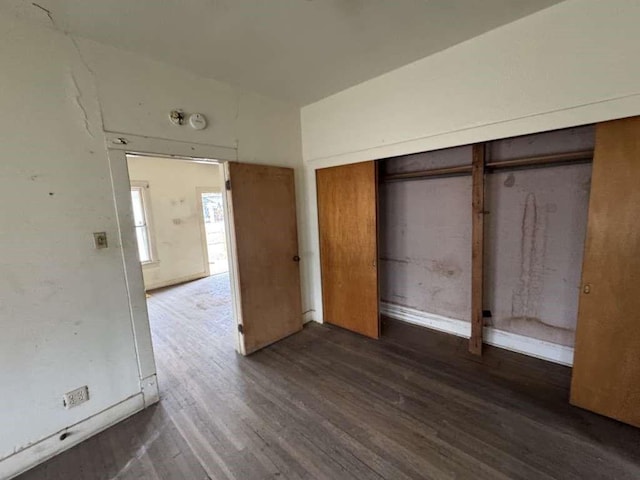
[510, 180]
[527, 293]
[534, 241]
[534, 237]
[444, 268]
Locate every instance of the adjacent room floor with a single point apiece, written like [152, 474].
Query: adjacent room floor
[326, 403]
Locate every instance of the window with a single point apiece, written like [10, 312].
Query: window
[139, 200]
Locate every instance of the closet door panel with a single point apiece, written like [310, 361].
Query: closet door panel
[606, 372]
[348, 221]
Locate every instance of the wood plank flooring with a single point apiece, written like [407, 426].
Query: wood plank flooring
[329, 404]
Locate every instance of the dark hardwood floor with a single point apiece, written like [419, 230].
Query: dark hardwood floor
[329, 404]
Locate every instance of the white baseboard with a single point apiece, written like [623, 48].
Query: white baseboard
[509, 341]
[308, 316]
[150, 391]
[176, 281]
[39, 452]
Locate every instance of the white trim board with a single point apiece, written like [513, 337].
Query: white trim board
[150, 146]
[551, 352]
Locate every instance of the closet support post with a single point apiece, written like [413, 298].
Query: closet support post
[477, 248]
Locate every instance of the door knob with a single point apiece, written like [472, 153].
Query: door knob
[587, 288]
[296, 258]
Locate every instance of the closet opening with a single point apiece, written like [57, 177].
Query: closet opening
[504, 221]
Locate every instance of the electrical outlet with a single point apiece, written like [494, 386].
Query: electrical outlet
[75, 397]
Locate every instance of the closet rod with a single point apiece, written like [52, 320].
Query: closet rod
[557, 158]
[585, 155]
[434, 172]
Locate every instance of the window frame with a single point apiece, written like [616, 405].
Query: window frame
[143, 187]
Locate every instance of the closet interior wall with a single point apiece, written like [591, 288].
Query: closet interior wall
[534, 236]
[534, 229]
[425, 235]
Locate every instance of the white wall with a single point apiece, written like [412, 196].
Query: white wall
[571, 64]
[64, 306]
[176, 218]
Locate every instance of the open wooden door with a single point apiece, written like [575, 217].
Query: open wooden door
[348, 221]
[606, 370]
[264, 251]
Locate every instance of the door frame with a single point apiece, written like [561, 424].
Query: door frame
[232, 255]
[118, 146]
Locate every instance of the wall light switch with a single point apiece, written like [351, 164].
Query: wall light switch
[100, 240]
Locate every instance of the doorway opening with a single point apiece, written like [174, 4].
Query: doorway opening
[179, 214]
[185, 208]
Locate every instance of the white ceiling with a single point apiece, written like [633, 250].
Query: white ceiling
[296, 50]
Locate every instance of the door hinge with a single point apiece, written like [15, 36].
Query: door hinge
[227, 184]
[240, 328]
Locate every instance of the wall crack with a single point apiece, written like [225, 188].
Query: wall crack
[91, 72]
[78, 101]
[47, 12]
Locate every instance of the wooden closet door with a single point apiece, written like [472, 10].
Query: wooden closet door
[348, 220]
[606, 370]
